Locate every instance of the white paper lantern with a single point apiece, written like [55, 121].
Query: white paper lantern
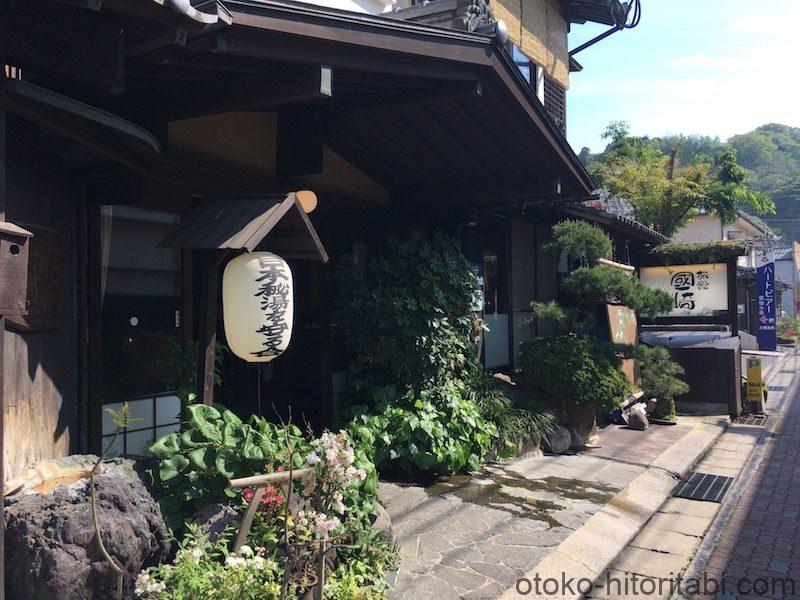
[257, 306]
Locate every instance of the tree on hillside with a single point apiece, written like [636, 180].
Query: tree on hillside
[665, 194]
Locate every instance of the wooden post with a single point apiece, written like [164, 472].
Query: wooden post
[733, 301]
[207, 343]
[94, 290]
[2, 349]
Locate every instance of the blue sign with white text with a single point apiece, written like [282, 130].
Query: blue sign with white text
[765, 317]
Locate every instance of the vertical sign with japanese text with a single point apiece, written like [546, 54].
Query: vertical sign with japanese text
[766, 332]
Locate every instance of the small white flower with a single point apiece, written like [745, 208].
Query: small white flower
[234, 561]
[246, 550]
[313, 459]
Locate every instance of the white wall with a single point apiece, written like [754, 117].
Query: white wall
[373, 7]
[785, 270]
[703, 228]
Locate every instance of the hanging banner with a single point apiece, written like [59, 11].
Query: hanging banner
[766, 331]
[696, 290]
[623, 329]
[257, 306]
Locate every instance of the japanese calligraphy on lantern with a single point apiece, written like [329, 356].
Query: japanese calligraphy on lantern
[257, 306]
[696, 290]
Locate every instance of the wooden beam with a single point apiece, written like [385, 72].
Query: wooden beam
[42, 37]
[281, 87]
[184, 57]
[210, 262]
[541, 188]
[733, 300]
[2, 346]
[299, 144]
[95, 325]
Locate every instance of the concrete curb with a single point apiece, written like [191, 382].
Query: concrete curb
[591, 549]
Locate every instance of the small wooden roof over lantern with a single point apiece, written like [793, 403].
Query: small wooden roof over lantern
[277, 223]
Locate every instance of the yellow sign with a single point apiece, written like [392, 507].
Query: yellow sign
[755, 385]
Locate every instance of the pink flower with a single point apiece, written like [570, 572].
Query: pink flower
[248, 493]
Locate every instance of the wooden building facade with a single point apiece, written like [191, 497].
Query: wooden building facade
[121, 117]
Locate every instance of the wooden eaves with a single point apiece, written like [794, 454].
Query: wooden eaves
[496, 116]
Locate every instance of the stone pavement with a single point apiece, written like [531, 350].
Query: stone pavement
[664, 547]
[758, 552]
[474, 536]
[649, 567]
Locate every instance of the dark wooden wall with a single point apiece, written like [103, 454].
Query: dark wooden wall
[715, 378]
[41, 366]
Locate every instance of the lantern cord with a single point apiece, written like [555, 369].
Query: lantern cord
[260, 376]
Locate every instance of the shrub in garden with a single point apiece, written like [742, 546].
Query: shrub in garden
[283, 551]
[517, 417]
[416, 432]
[407, 321]
[583, 242]
[575, 372]
[204, 571]
[406, 318]
[194, 465]
[660, 379]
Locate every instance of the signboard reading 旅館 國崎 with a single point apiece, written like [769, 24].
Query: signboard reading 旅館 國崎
[696, 290]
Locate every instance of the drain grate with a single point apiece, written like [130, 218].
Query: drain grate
[703, 487]
[777, 388]
[759, 420]
[788, 371]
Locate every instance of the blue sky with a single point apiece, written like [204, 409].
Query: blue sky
[713, 67]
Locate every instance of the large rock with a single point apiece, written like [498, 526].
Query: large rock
[383, 522]
[558, 440]
[636, 417]
[50, 545]
[582, 425]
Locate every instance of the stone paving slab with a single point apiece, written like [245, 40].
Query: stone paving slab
[664, 547]
[475, 536]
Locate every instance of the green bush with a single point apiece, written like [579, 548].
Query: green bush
[194, 465]
[415, 432]
[576, 372]
[591, 286]
[660, 379]
[406, 318]
[582, 241]
[516, 416]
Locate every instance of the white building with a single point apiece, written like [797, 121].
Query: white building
[709, 228]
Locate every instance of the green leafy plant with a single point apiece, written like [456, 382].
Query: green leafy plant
[588, 287]
[583, 242]
[418, 433]
[205, 571]
[789, 329]
[660, 379]
[179, 364]
[406, 318]
[121, 419]
[667, 194]
[518, 419]
[194, 465]
[575, 372]
[709, 252]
